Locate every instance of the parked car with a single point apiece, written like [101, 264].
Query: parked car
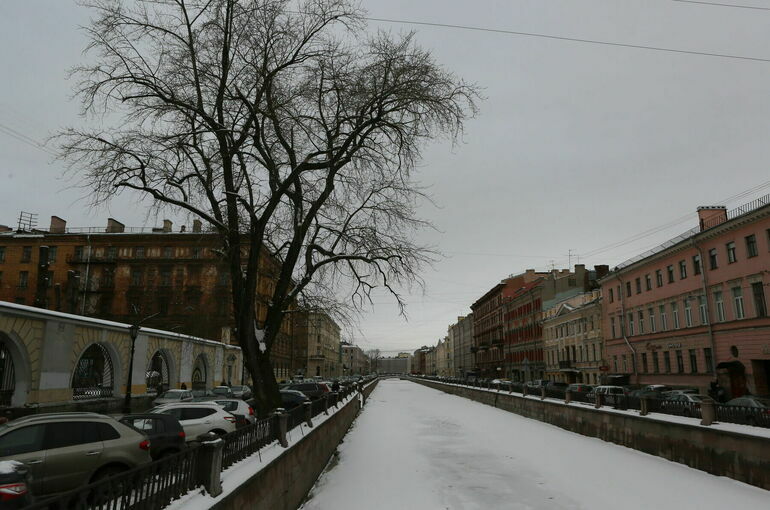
[198, 418]
[14, 485]
[580, 388]
[312, 390]
[536, 384]
[243, 412]
[657, 387]
[202, 393]
[749, 409]
[292, 399]
[64, 451]
[671, 393]
[611, 393]
[173, 397]
[556, 385]
[166, 434]
[685, 404]
[241, 392]
[222, 392]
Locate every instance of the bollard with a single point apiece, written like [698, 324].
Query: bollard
[644, 406]
[209, 466]
[308, 413]
[283, 425]
[708, 411]
[326, 404]
[599, 397]
[568, 396]
[542, 392]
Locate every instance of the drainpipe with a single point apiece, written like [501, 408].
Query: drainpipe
[704, 286]
[624, 329]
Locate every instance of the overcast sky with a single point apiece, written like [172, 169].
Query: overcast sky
[577, 146]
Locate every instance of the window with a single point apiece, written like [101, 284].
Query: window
[136, 277]
[638, 282]
[655, 363]
[709, 359]
[651, 313]
[679, 361]
[26, 254]
[112, 253]
[79, 253]
[760, 306]
[644, 362]
[675, 315]
[751, 246]
[659, 278]
[49, 279]
[648, 282]
[696, 264]
[612, 295]
[163, 303]
[52, 254]
[630, 324]
[139, 252]
[193, 413]
[663, 321]
[1, 277]
[667, 361]
[615, 363]
[168, 252]
[693, 361]
[641, 322]
[687, 313]
[196, 253]
[738, 303]
[628, 289]
[24, 440]
[612, 327]
[670, 272]
[682, 270]
[720, 305]
[731, 252]
[23, 279]
[165, 277]
[72, 433]
[702, 309]
[713, 258]
[625, 363]
[2, 253]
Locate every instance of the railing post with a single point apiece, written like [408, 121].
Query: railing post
[283, 425]
[542, 392]
[209, 466]
[524, 390]
[336, 398]
[308, 413]
[568, 396]
[326, 403]
[510, 388]
[599, 397]
[708, 411]
[644, 405]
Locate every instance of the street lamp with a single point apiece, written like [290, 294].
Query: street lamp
[133, 332]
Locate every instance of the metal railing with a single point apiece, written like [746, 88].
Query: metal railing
[148, 487]
[87, 393]
[759, 417]
[248, 440]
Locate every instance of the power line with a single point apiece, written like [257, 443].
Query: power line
[717, 4]
[25, 139]
[571, 39]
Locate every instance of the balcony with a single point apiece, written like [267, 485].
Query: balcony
[84, 258]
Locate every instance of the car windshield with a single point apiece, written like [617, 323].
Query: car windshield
[221, 391]
[172, 395]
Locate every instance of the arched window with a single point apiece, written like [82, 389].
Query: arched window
[199, 375]
[7, 376]
[157, 374]
[93, 377]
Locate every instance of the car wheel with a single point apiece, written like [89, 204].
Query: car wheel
[102, 494]
[107, 472]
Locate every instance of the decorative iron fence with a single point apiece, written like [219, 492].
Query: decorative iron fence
[247, 440]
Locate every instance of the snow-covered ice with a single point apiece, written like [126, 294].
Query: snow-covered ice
[414, 447]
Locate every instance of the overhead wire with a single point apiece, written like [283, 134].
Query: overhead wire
[719, 4]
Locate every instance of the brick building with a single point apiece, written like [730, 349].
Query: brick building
[354, 361]
[461, 336]
[317, 345]
[127, 274]
[694, 310]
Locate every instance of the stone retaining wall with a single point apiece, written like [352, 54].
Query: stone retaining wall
[739, 456]
[285, 482]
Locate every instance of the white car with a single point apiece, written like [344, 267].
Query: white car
[173, 397]
[240, 409]
[199, 418]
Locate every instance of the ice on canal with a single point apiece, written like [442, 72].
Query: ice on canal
[414, 447]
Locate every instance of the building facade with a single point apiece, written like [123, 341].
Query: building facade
[694, 310]
[169, 279]
[318, 337]
[573, 343]
[395, 365]
[354, 361]
[460, 334]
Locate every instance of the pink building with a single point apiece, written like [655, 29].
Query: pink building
[694, 310]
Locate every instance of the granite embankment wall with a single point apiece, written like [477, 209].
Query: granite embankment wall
[743, 457]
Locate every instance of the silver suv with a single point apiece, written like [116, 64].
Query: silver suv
[67, 450]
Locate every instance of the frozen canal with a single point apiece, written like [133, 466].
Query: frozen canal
[414, 447]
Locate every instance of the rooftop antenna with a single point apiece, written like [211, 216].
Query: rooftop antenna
[27, 221]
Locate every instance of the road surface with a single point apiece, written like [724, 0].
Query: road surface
[414, 447]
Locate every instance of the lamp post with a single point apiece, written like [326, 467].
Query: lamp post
[133, 331]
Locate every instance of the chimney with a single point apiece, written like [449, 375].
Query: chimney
[601, 271]
[196, 225]
[711, 216]
[114, 226]
[58, 225]
[167, 225]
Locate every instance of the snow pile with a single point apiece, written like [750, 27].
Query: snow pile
[419, 448]
[9, 466]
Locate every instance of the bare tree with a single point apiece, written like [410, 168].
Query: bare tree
[284, 125]
[373, 355]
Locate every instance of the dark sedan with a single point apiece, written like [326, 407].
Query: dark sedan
[292, 399]
[310, 389]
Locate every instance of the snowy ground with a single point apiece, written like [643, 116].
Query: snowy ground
[414, 447]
